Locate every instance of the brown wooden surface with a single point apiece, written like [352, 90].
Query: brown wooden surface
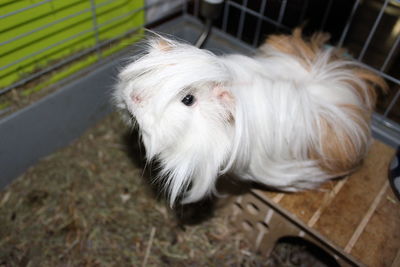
[359, 214]
[380, 241]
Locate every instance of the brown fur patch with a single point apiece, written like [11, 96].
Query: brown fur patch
[163, 45]
[336, 152]
[295, 45]
[371, 80]
[308, 51]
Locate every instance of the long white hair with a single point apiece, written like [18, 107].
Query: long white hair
[290, 117]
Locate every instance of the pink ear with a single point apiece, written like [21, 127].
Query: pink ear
[226, 98]
[163, 45]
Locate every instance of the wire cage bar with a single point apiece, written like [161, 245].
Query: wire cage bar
[372, 32]
[271, 16]
[24, 9]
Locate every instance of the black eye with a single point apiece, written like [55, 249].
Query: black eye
[188, 100]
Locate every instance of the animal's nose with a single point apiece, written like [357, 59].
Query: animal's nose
[136, 98]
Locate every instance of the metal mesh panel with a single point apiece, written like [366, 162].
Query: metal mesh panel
[369, 30]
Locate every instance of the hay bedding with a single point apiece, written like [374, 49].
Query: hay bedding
[91, 204]
[88, 205]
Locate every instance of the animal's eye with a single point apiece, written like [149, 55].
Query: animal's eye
[188, 100]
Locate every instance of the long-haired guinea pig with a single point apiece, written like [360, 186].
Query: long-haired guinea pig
[291, 117]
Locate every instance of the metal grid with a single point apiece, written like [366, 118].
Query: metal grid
[264, 21]
[95, 30]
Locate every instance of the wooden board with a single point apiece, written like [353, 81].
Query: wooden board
[359, 214]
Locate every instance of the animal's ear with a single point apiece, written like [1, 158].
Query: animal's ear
[226, 98]
[161, 44]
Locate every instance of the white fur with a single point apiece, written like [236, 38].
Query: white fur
[262, 133]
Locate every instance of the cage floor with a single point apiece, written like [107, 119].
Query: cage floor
[91, 204]
[359, 214]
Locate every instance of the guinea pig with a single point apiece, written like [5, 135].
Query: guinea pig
[292, 116]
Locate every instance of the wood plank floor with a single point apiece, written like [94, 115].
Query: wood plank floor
[359, 214]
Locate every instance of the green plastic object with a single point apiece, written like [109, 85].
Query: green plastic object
[65, 28]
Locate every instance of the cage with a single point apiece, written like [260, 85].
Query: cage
[59, 59]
